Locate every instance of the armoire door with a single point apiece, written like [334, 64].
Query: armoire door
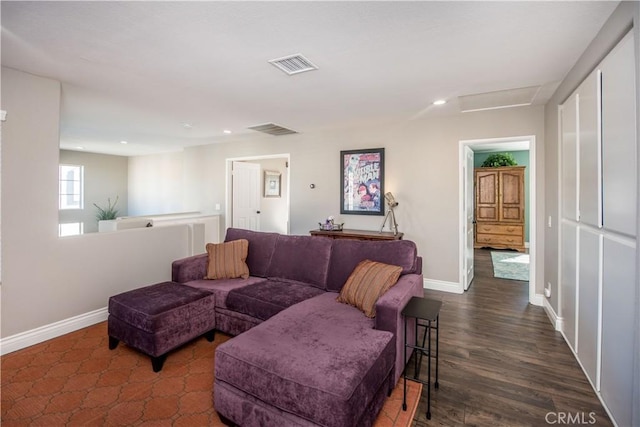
[487, 196]
[511, 195]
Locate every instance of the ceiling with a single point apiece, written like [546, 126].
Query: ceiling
[139, 71]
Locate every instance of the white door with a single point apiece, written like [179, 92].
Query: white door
[469, 196]
[245, 194]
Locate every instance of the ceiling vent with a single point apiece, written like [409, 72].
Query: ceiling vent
[293, 64]
[272, 129]
[499, 99]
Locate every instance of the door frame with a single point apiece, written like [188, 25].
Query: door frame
[535, 299]
[229, 190]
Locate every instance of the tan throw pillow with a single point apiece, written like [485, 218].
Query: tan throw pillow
[228, 260]
[368, 282]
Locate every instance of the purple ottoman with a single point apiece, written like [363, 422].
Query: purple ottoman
[318, 362]
[158, 318]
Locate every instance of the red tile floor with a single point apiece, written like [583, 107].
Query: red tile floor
[75, 380]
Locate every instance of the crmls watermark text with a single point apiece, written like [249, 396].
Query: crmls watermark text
[573, 418]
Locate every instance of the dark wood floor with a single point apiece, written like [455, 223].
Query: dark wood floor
[502, 363]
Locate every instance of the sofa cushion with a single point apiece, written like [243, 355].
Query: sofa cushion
[346, 254]
[227, 260]
[368, 282]
[301, 258]
[261, 246]
[319, 359]
[265, 299]
[221, 288]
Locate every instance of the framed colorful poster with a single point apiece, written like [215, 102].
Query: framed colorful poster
[362, 182]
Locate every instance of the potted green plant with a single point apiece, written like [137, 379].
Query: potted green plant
[499, 159]
[108, 212]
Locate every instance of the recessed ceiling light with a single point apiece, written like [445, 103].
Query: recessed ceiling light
[79, 147]
[187, 125]
[439, 102]
[227, 131]
[123, 142]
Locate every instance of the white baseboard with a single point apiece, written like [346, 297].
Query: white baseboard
[53, 330]
[556, 320]
[441, 285]
[538, 299]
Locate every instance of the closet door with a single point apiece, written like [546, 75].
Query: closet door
[589, 151]
[569, 281]
[619, 115]
[569, 227]
[618, 138]
[589, 276]
[617, 328]
[598, 232]
[569, 153]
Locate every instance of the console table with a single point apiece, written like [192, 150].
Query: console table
[357, 234]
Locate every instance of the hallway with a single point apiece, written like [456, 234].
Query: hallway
[502, 363]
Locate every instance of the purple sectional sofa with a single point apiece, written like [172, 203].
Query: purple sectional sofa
[299, 357]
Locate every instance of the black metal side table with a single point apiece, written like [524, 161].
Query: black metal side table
[428, 311]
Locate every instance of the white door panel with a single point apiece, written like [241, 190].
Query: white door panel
[469, 196]
[589, 152]
[569, 165]
[246, 195]
[618, 307]
[569, 281]
[619, 139]
[589, 302]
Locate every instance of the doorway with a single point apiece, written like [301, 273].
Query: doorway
[467, 151]
[270, 209]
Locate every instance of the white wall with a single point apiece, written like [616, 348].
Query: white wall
[421, 170]
[46, 279]
[156, 184]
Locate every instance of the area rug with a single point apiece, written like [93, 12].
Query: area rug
[75, 380]
[510, 265]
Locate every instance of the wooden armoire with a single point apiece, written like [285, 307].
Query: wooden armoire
[499, 207]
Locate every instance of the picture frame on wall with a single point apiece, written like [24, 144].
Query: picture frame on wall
[362, 182]
[272, 184]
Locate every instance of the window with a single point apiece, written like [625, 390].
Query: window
[71, 188]
[70, 229]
